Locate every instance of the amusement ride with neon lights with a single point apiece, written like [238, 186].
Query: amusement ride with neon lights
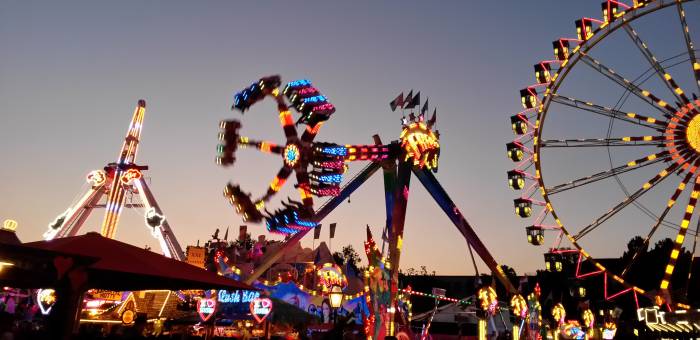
[124, 185]
[320, 166]
[667, 133]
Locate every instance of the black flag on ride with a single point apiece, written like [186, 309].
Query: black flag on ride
[415, 101]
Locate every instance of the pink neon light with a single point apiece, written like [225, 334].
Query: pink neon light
[548, 227]
[618, 294]
[550, 61]
[307, 90]
[525, 161]
[636, 301]
[563, 251]
[578, 269]
[524, 147]
[527, 110]
[571, 39]
[593, 20]
[605, 289]
[619, 3]
[524, 119]
[521, 137]
[528, 190]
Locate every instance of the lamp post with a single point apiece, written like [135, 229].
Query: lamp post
[336, 299]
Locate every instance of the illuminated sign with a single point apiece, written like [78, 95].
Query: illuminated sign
[206, 308]
[130, 175]
[330, 275]
[108, 295]
[420, 144]
[97, 177]
[260, 308]
[45, 298]
[128, 316]
[237, 296]
[10, 225]
[153, 218]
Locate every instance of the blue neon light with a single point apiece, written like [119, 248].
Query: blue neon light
[335, 150]
[291, 155]
[315, 99]
[331, 178]
[308, 224]
[237, 296]
[300, 82]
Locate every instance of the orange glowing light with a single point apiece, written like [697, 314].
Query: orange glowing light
[488, 299]
[277, 184]
[420, 144]
[130, 175]
[96, 177]
[330, 275]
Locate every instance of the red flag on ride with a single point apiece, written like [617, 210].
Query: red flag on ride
[397, 102]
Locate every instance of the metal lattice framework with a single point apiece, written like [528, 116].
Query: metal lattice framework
[123, 185]
[670, 131]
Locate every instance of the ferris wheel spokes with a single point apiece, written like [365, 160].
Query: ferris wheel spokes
[603, 142]
[662, 106]
[680, 237]
[627, 201]
[555, 189]
[654, 62]
[671, 203]
[630, 117]
[689, 44]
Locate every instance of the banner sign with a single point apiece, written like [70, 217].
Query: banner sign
[237, 296]
[206, 308]
[260, 308]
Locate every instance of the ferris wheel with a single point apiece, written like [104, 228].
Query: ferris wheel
[601, 155]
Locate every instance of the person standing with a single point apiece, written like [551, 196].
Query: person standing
[10, 305]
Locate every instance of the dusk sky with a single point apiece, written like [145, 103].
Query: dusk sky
[71, 74]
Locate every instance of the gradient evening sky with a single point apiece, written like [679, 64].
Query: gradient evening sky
[71, 73]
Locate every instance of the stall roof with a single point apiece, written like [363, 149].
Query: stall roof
[121, 266]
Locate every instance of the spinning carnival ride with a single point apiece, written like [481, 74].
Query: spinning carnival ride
[665, 135]
[124, 186]
[319, 168]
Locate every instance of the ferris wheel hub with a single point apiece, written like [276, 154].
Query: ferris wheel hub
[291, 155]
[692, 132]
